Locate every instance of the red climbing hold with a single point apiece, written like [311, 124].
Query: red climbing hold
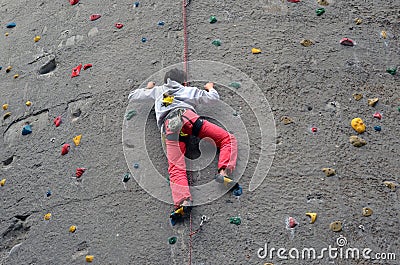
[347, 42]
[118, 25]
[73, 2]
[291, 222]
[86, 66]
[57, 121]
[378, 115]
[314, 129]
[293, 1]
[65, 149]
[95, 17]
[79, 172]
[76, 71]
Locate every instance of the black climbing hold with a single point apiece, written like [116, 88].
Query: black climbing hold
[48, 66]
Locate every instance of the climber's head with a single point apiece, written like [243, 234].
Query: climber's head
[175, 75]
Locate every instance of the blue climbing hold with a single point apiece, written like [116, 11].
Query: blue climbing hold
[237, 191]
[1, 67]
[26, 130]
[48, 193]
[136, 4]
[161, 23]
[11, 25]
[144, 39]
[136, 165]
[377, 128]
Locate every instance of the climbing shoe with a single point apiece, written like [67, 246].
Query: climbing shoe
[182, 211]
[229, 183]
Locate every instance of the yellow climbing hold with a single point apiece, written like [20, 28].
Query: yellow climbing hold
[357, 96]
[306, 43]
[358, 125]
[329, 171]
[6, 115]
[367, 212]
[2, 182]
[8, 69]
[383, 34]
[255, 51]
[47, 216]
[28, 103]
[89, 258]
[36, 39]
[372, 101]
[77, 139]
[336, 226]
[391, 185]
[313, 217]
[6, 34]
[358, 21]
[16, 76]
[5, 106]
[323, 2]
[72, 229]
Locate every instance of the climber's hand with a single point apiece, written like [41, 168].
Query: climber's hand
[209, 86]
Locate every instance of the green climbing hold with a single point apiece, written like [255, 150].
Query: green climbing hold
[130, 114]
[392, 71]
[320, 11]
[213, 19]
[235, 220]
[172, 240]
[398, 109]
[235, 85]
[216, 42]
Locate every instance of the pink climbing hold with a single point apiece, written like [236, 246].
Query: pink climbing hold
[65, 149]
[347, 42]
[378, 115]
[76, 71]
[86, 66]
[73, 2]
[95, 17]
[80, 171]
[291, 223]
[119, 25]
[57, 121]
[293, 1]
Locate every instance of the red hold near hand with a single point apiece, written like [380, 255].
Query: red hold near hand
[65, 149]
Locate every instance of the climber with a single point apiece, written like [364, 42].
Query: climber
[177, 119]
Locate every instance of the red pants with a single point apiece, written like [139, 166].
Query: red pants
[176, 149]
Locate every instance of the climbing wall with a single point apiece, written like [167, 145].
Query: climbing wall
[72, 67]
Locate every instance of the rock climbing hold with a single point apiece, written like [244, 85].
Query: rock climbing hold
[367, 212]
[8, 69]
[377, 128]
[136, 165]
[95, 17]
[144, 39]
[130, 114]
[3, 182]
[77, 139]
[5, 106]
[65, 149]
[320, 11]
[235, 85]
[336, 226]
[28, 103]
[57, 121]
[357, 141]
[72, 229]
[136, 4]
[73, 2]
[391, 185]
[235, 220]
[291, 223]
[172, 240]
[213, 19]
[268, 263]
[293, 1]
[48, 66]
[372, 102]
[383, 34]
[6, 115]
[314, 129]
[347, 42]
[36, 39]
[391, 71]
[358, 125]
[11, 25]
[323, 2]
[255, 51]
[378, 115]
[119, 25]
[306, 43]
[216, 42]
[76, 71]
[26, 130]
[313, 217]
[286, 120]
[237, 191]
[357, 96]
[358, 21]
[329, 171]
[126, 178]
[48, 193]
[6, 34]
[161, 23]
[79, 172]
[16, 76]
[87, 66]
[47, 216]
[89, 258]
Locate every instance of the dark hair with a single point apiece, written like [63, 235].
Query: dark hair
[175, 75]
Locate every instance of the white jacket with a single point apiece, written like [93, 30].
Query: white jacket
[184, 97]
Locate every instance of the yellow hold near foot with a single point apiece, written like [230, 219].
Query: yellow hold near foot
[313, 217]
[77, 139]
